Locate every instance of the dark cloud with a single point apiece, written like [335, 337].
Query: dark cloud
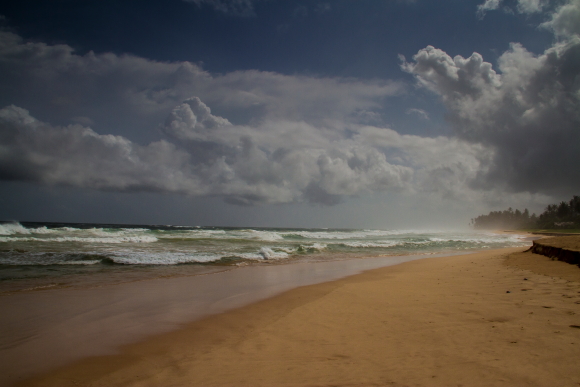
[528, 113]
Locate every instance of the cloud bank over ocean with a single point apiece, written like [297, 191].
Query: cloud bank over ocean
[274, 162]
[126, 123]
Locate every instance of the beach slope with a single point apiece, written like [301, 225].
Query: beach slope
[472, 320]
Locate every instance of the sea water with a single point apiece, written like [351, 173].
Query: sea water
[35, 256]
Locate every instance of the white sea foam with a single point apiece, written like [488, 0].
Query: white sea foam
[101, 232]
[13, 228]
[192, 234]
[70, 229]
[173, 258]
[85, 262]
[315, 246]
[115, 240]
[370, 244]
[250, 234]
[245, 234]
[266, 235]
[17, 239]
[311, 248]
[42, 230]
[265, 253]
[320, 234]
[340, 234]
[268, 253]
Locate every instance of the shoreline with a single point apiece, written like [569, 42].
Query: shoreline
[474, 320]
[66, 265]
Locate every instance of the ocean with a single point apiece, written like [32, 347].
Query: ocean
[36, 256]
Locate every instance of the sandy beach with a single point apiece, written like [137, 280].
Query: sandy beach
[482, 319]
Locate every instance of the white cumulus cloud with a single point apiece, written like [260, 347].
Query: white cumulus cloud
[522, 6]
[130, 95]
[203, 154]
[419, 112]
[565, 22]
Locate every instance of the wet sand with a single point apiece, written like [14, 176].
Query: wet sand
[46, 328]
[470, 320]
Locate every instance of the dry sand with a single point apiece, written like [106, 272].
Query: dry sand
[471, 320]
[569, 242]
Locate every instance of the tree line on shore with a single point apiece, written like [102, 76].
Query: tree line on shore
[565, 215]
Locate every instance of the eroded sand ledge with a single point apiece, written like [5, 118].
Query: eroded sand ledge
[564, 248]
[472, 320]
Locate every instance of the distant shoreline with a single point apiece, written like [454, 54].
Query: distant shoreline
[537, 232]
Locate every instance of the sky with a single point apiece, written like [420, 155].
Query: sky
[287, 113]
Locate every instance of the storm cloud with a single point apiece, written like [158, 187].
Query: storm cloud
[528, 112]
